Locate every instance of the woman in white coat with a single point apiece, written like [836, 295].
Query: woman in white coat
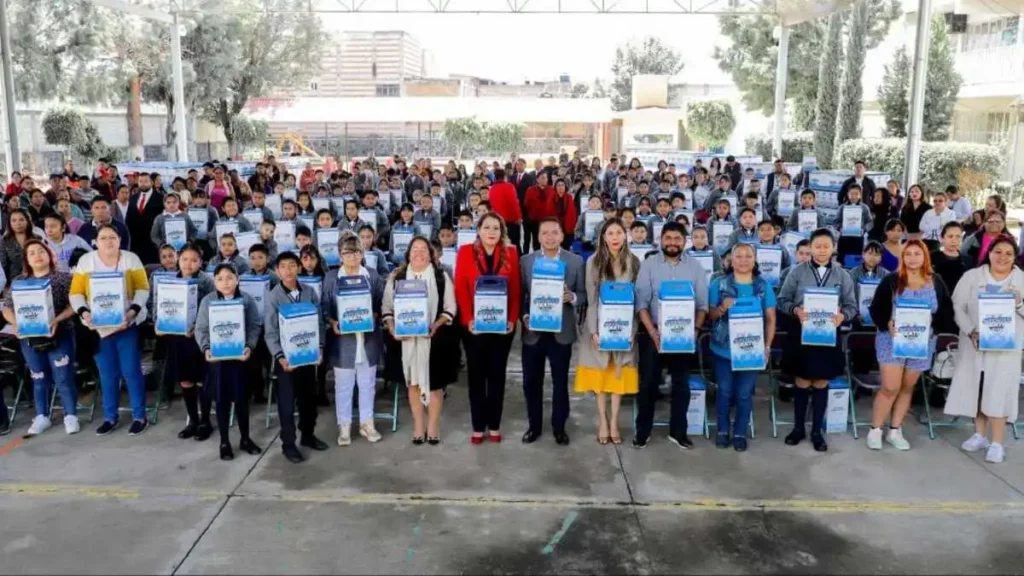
[985, 384]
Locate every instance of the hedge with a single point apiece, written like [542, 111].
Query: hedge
[971, 166]
[795, 145]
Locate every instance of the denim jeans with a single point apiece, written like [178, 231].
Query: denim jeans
[735, 387]
[56, 367]
[119, 357]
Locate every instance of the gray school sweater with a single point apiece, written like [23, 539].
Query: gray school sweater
[272, 303]
[802, 276]
[252, 321]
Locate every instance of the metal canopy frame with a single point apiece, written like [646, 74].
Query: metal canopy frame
[650, 7]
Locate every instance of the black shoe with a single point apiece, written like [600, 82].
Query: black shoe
[722, 441]
[529, 437]
[561, 438]
[292, 454]
[639, 443]
[138, 427]
[433, 440]
[204, 431]
[188, 432]
[819, 443]
[417, 440]
[795, 437]
[314, 443]
[739, 444]
[106, 428]
[683, 442]
[6, 428]
[249, 447]
[226, 453]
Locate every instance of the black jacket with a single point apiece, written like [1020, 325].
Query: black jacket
[867, 189]
[882, 304]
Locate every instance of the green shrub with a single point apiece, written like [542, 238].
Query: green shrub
[795, 145]
[971, 166]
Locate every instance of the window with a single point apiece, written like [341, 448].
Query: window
[313, 86]
[388, 90]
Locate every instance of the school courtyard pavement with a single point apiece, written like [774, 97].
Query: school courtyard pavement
[156, 504]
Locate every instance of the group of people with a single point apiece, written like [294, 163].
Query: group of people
[407, 229]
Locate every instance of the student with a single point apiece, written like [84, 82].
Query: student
[50, 359]
[350, 219]
[803, 254]
[722, 192]
[747, 231]
[752, 200]
[185, 362]
[671, 264]
[766, 237]
[893, 245]
[172, 208]
[313, 267]
[744, 281]
[383, 225]
[303, 237]
[947, 260]
[426, 219]
[487, 354]
[466, 221]
[663, 214]
[289, 211]
[228, 254]
[721, 220]
[915, 279]
[373, 257]
[403, 224]
[807, 202]
[293, 383]
[60, 241]
[818, 364]
[200, 201]
[593, 204]
[259, 202]
[259, 361]
[850, 242]
[267, 238]
[933, 221]
[304, 204]
[871, 258]
[637, 233]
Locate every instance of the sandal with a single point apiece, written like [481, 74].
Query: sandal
[602, 440]
[616, 440]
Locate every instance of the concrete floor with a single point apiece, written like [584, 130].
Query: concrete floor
[155, 504]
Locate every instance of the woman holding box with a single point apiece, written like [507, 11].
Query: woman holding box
[50, 360]
[423, 358]
[743, 281]
[226, 378]
[355, 357]
[914, 278]
[607, 373]
[985, 383]
[492, 255]
[817, 363]
[118, 355]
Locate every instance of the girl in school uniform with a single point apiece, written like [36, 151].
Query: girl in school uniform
[226, 378]
[313, 267]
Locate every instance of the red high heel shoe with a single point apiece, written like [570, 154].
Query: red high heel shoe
[476, 440]
[496, 438]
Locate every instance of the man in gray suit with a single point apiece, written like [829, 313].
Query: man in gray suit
[555, 347]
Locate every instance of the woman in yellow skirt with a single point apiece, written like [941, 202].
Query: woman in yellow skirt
[607, 373]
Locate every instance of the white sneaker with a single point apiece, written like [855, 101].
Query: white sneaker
[875, 439]
[975, 443]
[368, 431]
[995, 453]
[39, 425]
[344, 435]
[896, 438]
[71, 424]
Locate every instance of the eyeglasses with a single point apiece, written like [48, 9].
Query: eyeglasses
[999, 222]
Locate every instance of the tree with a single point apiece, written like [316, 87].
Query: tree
[892, 94]
[710, 122]
[503, 137]
[942, 85]
[597, 90]
[461, 134]
[579, 90]
[249, 132]
[828, 92]
[650, 57]
[851, 93]
[63, 126]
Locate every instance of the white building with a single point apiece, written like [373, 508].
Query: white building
[377, 63]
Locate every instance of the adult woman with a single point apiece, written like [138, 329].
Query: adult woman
[893, 245]
[218, 188]
[914, 279]
[50, 360]
[976, 246]
[118, 355]
[607, 373]
[914, 210]
[66, 211]
[13, 184]
[985, 384]
[715, 168]
[492, 255]
[744, 281]
[995, 202]
[820, 363]
[19, 231]
[895, 196]
[881, 213]
[62, 243]
[355, 357]
[565, 211]
[424, 358]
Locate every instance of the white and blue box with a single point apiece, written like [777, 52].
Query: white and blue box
[769, 262]
[490, 305]
[466, 237]
[33, 306]
[175, 231]
[400, 240]
[746, 335]
[821, 305]
[546, 288]
[327, 244]
[697, 412]
[838, 408]
[107, 299]
[257, 286]
[615, 316]
[227, 329]
[997, 322]
[411, 309]
[284, 235]
[299, 325]
[912, 318]
[200, 218]
[177, 303]
[676, 313]
[314, 282]
[355, 305]
[866, 288]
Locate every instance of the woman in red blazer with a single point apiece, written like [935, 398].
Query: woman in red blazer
[487, 354]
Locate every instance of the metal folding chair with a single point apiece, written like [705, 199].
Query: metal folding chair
[12, 365]
[705, 361]
[949, 343]
[862, 370]
[775, 381]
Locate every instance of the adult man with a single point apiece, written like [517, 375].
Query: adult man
[671, 264]
[960, 205]
[100, 210]
[733, 169]
[523, 181]
[556, 347]
[505, 202]
[867, 185]
[773, 178]
[935, 219]
[610, 177]
[413, 182]
[143, 208]
[539, 204]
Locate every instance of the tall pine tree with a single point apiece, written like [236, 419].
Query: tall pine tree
[892, 94]
[828, 92]
[852, 92]
[942, 85]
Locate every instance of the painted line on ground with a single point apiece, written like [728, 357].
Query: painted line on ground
[566, 524]
[12, 445]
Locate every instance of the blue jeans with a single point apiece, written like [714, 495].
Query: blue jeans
[738, 387]
[56, 367]
[119, 357]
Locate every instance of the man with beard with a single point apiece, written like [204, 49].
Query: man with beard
[143, 208]
[671, 265]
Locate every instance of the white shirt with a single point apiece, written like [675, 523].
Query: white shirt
[932, 222]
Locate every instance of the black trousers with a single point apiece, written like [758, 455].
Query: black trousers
[515, 236]
[547, 348]
[486, 364]
[531, 240]
[297, 387]
[227, 382]
[256, 370]
[651, 365]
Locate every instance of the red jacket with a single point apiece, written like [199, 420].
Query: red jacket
[470, 265]
[505, 202]
[539, 203]
[565, 211]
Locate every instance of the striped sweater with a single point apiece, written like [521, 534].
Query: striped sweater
[136, 283]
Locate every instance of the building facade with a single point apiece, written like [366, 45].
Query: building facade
[377, 63]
